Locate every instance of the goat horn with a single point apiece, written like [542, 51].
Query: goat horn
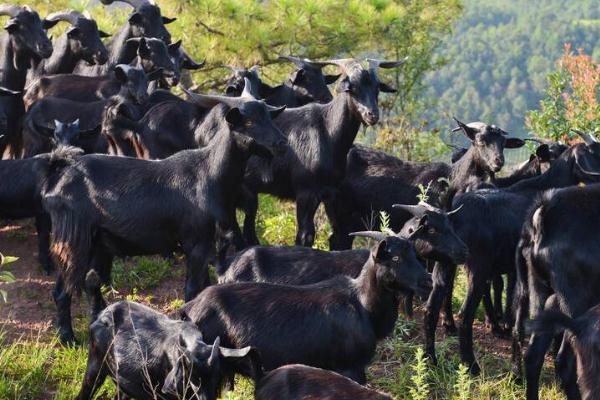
[379, 236]
[303, 62]
[133, 3]
[345, 64]
[455, 147]
[587, 138]
[70, 16]
[9, 9]
[417, 210]
[374, 64]
[208, 101]
[455, 210]
[535, 140]
[249, 90]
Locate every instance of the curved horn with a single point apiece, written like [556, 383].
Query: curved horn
[9, 9]
[234, 68]
[249, 90]
[379, 236]
[208, 101]
[455, 210]
[304, 62]
[345, 64]
[70, 16]
[587, 138]
[374, 64]
[417, 210]
[133, 3]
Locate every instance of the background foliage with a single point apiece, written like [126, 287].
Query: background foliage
[500, 54]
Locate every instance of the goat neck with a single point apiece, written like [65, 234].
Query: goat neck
[380, 302]
[557, 176]
[342, 125]
[464, 171]
[13, 71]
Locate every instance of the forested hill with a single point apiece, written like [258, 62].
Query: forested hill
[500, 53]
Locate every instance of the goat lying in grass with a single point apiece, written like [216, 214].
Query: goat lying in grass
[334, 324]
[149, 355]
[299, 382]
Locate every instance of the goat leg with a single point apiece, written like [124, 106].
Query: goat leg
[63, 307]
[197, 270]
[249, 203]
[95, 374]
[306, 207]
[447, 314]
[43, 227]
[441, 276]
[566, 369]
[476, 286]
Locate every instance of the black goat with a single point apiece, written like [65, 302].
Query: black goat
[200, 186]
[429, 231]
[299, 382]
[309, 324]
[375, 181]
[149, 355]
[181, 61]
[41, 116]
[307, 84]
[320, 136]
[584, 337]
[21, 185]
[82, 41]
[5, 113]
[547, 264]
[145, 21]
[492, 230]
[23, 41]
[148, 54]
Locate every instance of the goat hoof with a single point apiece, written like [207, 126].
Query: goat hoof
[474, 368]
[451, 330]
[68, 340]
[501, 333]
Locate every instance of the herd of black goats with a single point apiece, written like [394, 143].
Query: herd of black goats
[110, 163]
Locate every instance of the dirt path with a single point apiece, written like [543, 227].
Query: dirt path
[30, 310]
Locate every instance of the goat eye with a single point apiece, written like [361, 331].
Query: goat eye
[431, 231]
[248, 123]
[395, 258]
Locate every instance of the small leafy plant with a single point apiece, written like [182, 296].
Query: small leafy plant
[6, 276]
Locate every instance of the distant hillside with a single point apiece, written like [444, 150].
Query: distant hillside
[500, 53]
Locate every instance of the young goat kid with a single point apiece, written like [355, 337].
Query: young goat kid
[334, 324]
[149, 355]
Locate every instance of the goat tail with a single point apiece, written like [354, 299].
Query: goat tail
[93, 291]
[552, 322]
[71, 245]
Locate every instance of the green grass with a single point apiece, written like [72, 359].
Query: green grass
[36, 369]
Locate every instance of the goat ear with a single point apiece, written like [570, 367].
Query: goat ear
[167, 20]
[246, 361]
[543, 153]
[135, 19]
[344, 85]
[381, 250]
[385, 88]
[468, 131]
[73, 33]
[514, 143]
[298, 76]
[173, 378]
[190, 64]
[174, 47]
[234, 117]
[276, 112]
[47, 24]
[329, 79]
[11, 26]
[103, 34]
